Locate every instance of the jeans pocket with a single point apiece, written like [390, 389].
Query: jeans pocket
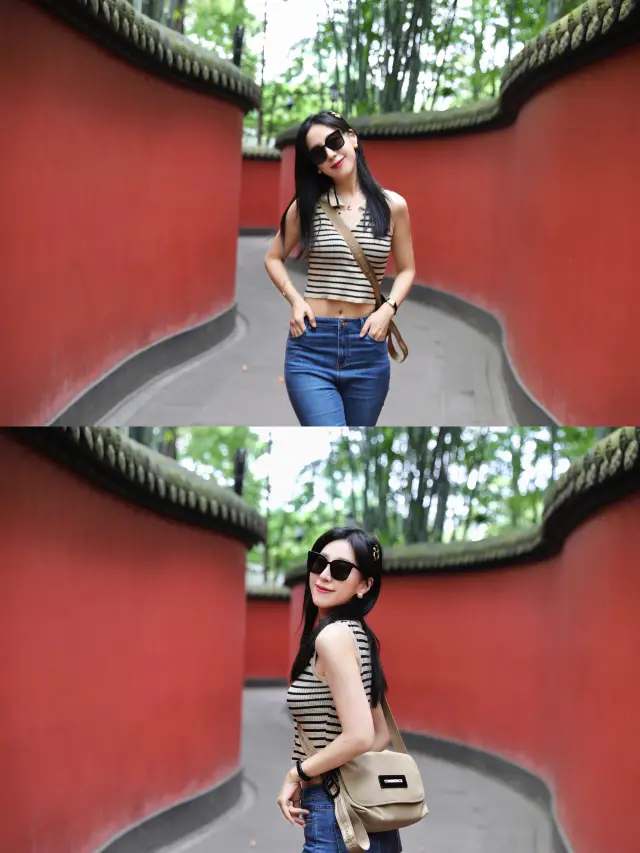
[293, 337]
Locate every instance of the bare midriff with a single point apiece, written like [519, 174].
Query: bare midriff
[337, 308]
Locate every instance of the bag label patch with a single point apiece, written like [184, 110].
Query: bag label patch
[393, 781]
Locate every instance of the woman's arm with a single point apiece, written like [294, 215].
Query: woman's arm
[377, 324]
[402, 250]
[382, 738]
[274, 264]
[276, 255]
[340, 661]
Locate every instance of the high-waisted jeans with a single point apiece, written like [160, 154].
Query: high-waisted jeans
[334, 377]
[322, 833]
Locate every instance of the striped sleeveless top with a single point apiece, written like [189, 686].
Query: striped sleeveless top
[310, 702]
[333, 271]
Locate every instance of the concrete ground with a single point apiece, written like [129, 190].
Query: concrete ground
[468, 811]
[452, 375]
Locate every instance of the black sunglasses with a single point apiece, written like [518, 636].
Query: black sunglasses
[318, 154]
[340, 569]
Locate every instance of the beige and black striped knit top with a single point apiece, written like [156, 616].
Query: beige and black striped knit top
[333, 271]
[310, 702]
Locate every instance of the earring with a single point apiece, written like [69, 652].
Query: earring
[359, 595]
[356, 145]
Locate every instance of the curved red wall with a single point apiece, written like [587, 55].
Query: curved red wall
[537, 663]
[260, 198]
[123, 659]
[535, 223]
[267, 639]
[122, 194]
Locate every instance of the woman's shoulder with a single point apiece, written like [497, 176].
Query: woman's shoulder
[333, 634]
[396, 201]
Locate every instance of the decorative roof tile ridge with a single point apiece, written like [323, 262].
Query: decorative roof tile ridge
[606, 473]
[120, 28]
[117, 463]
[260, 152]
[268, 591]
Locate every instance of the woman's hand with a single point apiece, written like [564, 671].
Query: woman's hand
[377, 324]
[289, 799]
[299, 310]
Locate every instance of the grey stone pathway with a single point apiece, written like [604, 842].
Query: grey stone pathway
[452, 375]
[468, 812]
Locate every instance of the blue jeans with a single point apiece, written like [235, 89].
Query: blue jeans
[322, 833]
[334, 377]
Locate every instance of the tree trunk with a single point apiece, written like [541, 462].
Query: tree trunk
[436, 459]
[168, 445]
[336, 43]
[554, 11]
[510, 22]
[444, 485]
[447, 42]
[554, 452]
[265, 564]
[261, 107]
[176, 15]
[415, 64]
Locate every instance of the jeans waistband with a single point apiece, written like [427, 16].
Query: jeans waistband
[315, 793]
[357, 322]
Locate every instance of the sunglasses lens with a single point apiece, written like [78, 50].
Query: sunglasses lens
[316, 563]
[334, 141]
[340, 570]
[317, 156]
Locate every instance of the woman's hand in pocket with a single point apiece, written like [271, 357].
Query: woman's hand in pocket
[377, 324]
[299, 310]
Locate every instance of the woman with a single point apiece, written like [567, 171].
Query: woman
[337, 366]
[337, 684]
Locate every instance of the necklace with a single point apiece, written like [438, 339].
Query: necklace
[350, 205]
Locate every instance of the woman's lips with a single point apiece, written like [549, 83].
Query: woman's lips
[322, 589]
[338, 164]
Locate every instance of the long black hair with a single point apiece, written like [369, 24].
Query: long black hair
[366, 548]
[311, 185]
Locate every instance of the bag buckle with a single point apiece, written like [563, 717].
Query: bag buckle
[331, 785]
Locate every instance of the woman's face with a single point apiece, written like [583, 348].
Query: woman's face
[327, 592]
[338, 164]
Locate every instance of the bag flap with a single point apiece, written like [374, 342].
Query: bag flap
[382, 778]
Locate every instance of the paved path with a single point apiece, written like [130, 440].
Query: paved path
[468, 812]
[452, 375]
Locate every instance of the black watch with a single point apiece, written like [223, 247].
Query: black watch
[392, 303]
[301, 774]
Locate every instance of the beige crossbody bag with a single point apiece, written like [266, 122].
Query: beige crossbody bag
[375, 792]
[367, 269]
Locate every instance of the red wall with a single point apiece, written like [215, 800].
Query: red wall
[535, 223]
[123, 664]
[117, 236]
[260, 198]
[538, 664]
[267, 639]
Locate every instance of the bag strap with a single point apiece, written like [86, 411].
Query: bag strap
[365, 265]
[354, 834]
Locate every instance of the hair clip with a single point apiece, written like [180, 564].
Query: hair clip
[376, 553]
[337, 115]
